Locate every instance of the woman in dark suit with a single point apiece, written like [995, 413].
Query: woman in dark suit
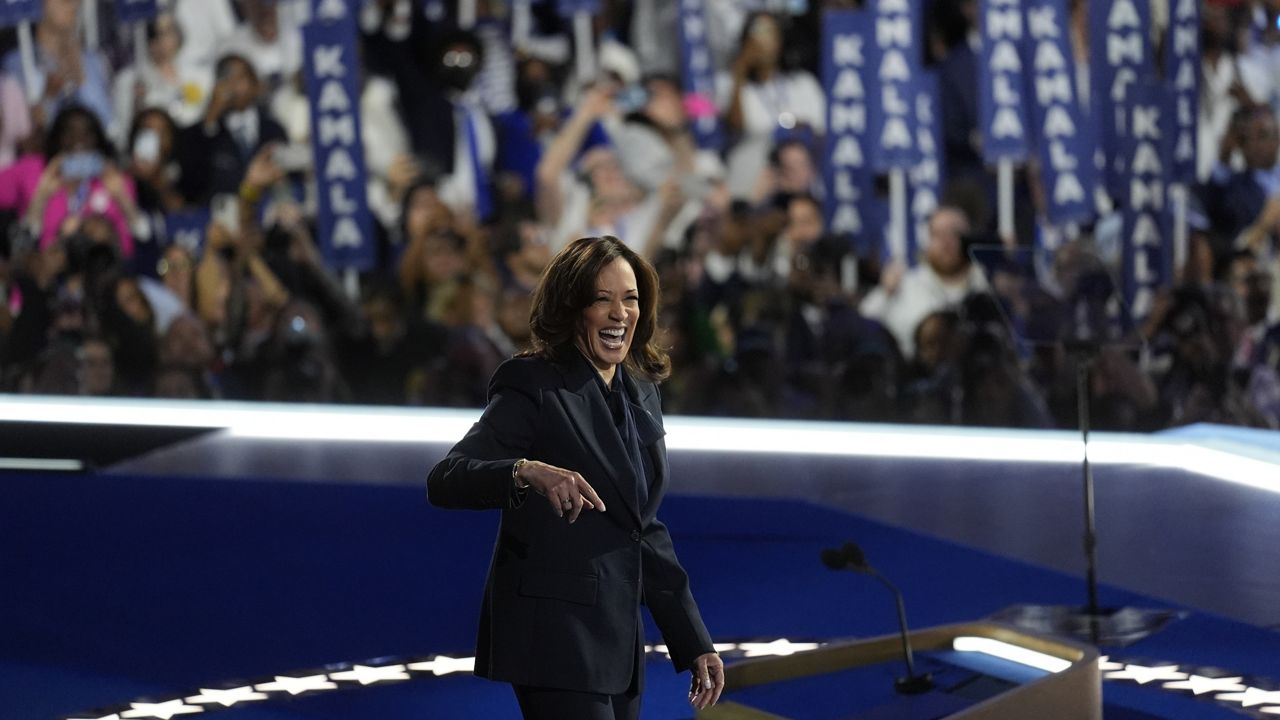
[577, 421]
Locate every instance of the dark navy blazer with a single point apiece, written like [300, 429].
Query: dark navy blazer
[562, 602]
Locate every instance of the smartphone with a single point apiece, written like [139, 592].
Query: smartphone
[630, 99]
[294, 157]
[146, 146]
[225, 210]
[82, 165]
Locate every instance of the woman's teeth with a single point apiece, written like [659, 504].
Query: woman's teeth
[612, 338]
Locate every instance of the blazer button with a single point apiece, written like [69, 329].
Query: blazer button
[635, 536]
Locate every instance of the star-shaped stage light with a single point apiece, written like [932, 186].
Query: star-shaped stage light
[1270, 710]
[1199, 684]
[165, 710]
[226, 698]
[1143, 675]
[366, 675]
[781, 648]
[1251, 696]
[444, 665]
[296, 685]
[1105, 664]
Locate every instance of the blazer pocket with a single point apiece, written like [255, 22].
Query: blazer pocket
[570, 587]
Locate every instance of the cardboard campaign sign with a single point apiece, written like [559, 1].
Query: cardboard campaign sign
[14, 12]
[925, 179]
[894, 52]
[332, 74]
[130, 11]
[850, 182]
[188, 228]
[1147, 234]
[569, 8]
[1062, 138]
[1182, 73]
[1119, 59]
[698, 71]
[1002, 111]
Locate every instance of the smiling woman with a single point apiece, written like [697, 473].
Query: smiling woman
[608, 323]
[594, 285]
[578, 420]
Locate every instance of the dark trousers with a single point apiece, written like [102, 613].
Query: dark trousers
[539, 703]
[551, 704]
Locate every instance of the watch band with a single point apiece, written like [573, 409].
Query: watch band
[515, 474]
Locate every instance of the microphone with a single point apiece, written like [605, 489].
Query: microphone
[850, 557]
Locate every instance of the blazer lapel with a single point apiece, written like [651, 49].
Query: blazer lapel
[591, 417]
[649, 423]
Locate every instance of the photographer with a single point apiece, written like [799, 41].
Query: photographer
[299, 360]
[55, 290]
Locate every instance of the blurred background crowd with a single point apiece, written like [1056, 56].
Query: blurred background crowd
[486, 153]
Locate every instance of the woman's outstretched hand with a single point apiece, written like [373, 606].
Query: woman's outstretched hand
[566, 490]
[708, 681]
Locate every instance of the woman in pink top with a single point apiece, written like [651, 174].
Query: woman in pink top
[76, 177]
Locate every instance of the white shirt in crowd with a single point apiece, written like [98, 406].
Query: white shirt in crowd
[1217, 104]
[183, 97]
[632, 228]
[206, 27]
[786, 101]
[275, 62]
[920, 293]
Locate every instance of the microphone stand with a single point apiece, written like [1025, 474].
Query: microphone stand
[851, 557]
[912, 684]
[1087, 324]
[1085, 355]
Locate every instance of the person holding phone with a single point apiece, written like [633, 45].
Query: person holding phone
[766, 100]
[215, 153]
[152, 161]
[76, 176]
[66, 73]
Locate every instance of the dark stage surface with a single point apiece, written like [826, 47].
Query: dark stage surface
[235, 557]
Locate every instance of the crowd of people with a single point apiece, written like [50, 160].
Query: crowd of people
[487, 152]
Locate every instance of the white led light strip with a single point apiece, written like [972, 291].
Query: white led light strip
[830, 439]
[41, 464]
[1012, 653]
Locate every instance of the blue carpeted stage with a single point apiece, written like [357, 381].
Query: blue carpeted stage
[126, 585]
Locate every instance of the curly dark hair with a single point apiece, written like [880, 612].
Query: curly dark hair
[56, 136]
[567, 288]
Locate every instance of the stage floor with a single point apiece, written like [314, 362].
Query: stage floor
[1192, 516]
[246, 551]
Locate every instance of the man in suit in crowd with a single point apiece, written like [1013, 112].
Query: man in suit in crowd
[215, 153]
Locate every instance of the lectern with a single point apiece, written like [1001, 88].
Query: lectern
[981, 671]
